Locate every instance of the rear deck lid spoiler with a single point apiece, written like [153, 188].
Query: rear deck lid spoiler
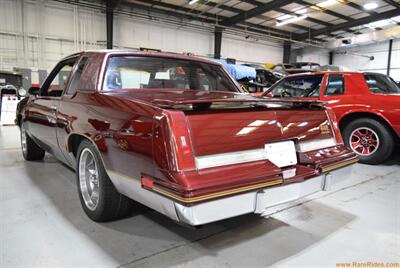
[244, 101]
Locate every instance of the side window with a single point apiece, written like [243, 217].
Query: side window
[55, 84]
[379, 83]
[73, 85]
[335, 85]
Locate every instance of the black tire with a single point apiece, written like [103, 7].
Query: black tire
[111, 204]
[30, 150]
[386, 141]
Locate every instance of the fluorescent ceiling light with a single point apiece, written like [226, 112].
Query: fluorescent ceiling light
[301, 11]
[284, 17]
[379, 24]
[327, 3]
[280, 23]
[370, 6]
[193, 1]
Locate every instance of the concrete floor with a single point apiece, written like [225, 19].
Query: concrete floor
[42, 224]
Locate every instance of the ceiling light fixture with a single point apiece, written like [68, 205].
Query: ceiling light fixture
[280, 23]
[193, 2]
[301, 11]
[370, 6]
[327, 3]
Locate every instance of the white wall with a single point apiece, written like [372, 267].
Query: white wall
[379, 51]
[37, 33]
[312, 54]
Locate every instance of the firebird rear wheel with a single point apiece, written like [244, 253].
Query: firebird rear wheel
[369, 139]
[30, 150]
[99, 198]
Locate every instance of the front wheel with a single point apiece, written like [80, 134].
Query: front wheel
[369, 139]
[99, 198]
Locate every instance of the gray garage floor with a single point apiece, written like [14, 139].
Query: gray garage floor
[42, 224]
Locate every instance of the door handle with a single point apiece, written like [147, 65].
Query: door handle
[53, 108]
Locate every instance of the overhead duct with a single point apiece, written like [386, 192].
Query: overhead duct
[365, 39]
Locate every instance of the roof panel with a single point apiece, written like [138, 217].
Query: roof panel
[255, 20]
[244, 6]
[226, 13]
[345, 9]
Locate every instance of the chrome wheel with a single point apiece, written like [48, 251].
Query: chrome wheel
[364, 141]
[89, 179]
[23, 140]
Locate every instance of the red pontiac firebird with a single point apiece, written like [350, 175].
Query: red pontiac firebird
[366, 105]
[177, 134]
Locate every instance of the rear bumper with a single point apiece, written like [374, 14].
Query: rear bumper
[264, 201]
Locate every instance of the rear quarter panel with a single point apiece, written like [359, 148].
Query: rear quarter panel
[358, 99]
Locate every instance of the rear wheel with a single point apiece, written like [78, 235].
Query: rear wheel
[99, 198]
[30, 150]
[369, 139]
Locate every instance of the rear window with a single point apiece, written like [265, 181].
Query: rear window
[379, 83]
[298, 86]
[129, 72]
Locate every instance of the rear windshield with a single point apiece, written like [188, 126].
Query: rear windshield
[297, 86]
[130, 72]
[379, 83]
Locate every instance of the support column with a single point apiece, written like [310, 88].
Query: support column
[287, 45]
[389, 56]
[109, 23]
[217, 42]
[331, 58]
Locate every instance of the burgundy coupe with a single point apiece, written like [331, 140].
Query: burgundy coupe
[177, 134]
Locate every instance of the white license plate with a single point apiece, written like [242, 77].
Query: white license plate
[282, 153]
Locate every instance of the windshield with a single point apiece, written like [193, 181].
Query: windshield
[130, 72]
[297, 86]
[379, 83]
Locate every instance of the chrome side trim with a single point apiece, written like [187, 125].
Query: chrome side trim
[200, 198]
[132, 188]
[215, 160]
[306, 146]
[339, 165]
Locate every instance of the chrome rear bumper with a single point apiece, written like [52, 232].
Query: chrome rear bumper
[264, 201]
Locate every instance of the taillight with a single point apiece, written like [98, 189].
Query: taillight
[334, 125]
[180, 141]
[147, 182]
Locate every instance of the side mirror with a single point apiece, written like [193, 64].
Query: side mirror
[34, 90]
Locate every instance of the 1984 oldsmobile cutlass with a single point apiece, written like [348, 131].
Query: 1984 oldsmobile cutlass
[176, 134]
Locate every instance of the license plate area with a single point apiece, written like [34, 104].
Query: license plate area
[281, 153]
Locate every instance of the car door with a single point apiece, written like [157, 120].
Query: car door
[42, 110]
[69, 110]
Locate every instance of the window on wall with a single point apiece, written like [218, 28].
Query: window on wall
[335, 85]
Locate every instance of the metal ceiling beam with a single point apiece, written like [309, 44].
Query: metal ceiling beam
[255, 12]
[392, 3]
[359, 8]
[207, 18]
[350, 24]
[217, 18]
[262, 17]
[326, 11]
